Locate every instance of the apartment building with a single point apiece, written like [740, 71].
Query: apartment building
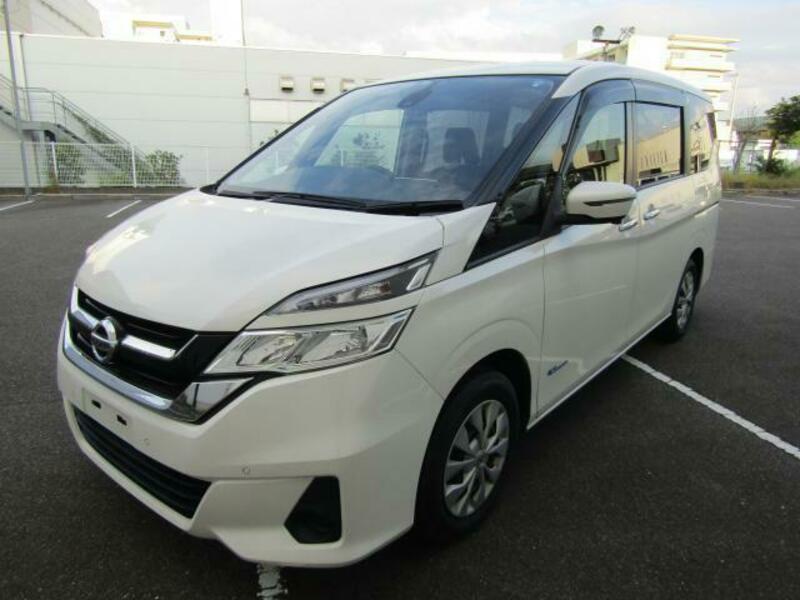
[700, 60]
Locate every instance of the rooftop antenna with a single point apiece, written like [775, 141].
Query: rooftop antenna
[597, 37]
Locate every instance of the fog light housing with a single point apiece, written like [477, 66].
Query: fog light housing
[317, 516]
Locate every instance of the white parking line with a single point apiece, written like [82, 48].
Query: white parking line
[270, 584]
[758, 203]
[717, 408]
[16, 205]
[119, 210]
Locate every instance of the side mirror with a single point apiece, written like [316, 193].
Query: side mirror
[599, 201]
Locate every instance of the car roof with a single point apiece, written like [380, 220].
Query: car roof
[579, 74]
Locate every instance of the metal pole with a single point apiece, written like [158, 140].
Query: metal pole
[133, 165]
[37, 136]
[55, 162]
[17, 121]
[246, 82]
[731, 110]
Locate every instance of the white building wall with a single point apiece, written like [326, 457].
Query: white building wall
[209, 104]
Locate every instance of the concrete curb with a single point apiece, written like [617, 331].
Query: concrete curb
[761, 192]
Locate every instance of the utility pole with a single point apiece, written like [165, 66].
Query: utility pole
[246, 82]
[17, 117]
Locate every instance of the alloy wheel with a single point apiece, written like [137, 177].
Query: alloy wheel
[476, 458]
[683, 309]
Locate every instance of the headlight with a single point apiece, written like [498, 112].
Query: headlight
[381, 285]
[304, 348]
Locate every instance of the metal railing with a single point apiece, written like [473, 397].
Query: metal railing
[58, 164]
[41, 105]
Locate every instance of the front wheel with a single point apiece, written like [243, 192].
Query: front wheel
[675, 327]
[467, 456]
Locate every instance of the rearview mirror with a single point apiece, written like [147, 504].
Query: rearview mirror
[599, 201]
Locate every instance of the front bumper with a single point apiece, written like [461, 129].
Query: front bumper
[367, 424]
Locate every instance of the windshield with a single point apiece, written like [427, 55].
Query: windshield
[417, 141]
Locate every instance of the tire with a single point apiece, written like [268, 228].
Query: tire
[676, 326]
[440, 516]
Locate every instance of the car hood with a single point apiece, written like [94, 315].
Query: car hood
[213, 263]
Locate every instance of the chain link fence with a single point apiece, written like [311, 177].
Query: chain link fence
[54, 165]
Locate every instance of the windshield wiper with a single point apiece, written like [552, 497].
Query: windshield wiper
[235, 194]
[297, 198]
[415, 208]
[317, 200]
[312, 200]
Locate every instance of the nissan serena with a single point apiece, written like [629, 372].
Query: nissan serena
[347, 334]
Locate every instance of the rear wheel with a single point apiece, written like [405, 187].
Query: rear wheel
[679, 320]
[467, 456]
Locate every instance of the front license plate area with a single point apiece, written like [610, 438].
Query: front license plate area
[107, 415]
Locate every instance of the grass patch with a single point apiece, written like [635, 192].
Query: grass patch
[760, 181]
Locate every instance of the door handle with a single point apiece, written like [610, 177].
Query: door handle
[651, 213]
[626, 225]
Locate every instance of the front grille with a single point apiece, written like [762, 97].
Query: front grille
[158, 333]
[180, 492]
[165, 378]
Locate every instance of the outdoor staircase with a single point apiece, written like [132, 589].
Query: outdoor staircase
[60, 120]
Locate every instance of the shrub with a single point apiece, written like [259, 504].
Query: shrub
[771, 166]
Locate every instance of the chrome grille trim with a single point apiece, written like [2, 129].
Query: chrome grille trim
[108, 379]
[129, 341]
[197, 399]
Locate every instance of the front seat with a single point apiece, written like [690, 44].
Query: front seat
[460, 147]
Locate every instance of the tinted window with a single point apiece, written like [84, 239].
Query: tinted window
[365, 140]
[519, 216]
[417, 141]
[455, 137]
[658, 142]
[600, 151]
[701, 137]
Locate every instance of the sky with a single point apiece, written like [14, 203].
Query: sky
[767, 57]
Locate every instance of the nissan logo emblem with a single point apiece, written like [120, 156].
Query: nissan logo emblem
[105, 339]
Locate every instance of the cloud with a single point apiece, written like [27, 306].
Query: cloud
[767, 58]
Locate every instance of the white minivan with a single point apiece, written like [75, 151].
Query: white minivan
[347, 334]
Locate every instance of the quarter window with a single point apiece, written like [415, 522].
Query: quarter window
[701, 137]
[658, 142]
[600, 151]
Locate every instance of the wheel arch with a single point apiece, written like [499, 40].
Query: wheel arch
[512, 364]
[698, 257]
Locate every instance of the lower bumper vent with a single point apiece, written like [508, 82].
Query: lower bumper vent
[178, 491]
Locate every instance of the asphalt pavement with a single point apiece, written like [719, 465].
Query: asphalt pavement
[631, 489]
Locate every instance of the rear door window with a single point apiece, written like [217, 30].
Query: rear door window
[657, 131]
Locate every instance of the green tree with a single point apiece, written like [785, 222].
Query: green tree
[783, 121]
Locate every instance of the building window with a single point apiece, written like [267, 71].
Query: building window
[347, 84]
[658, 142]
